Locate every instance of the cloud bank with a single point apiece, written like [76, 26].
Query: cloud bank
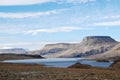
[30, 2]
[77, 1]
[27, 14]
[112, 23]
[54, 30]
[22, 2]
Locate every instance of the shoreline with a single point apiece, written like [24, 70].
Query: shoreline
[18, 56]
[13, 71]
[10, 71]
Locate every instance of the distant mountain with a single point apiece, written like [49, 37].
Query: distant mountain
[13, 51]
[52, 49]
[90, 45]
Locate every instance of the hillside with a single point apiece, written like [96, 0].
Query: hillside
[111, 54]
[90, 45]
[53, 49]
[18, 56]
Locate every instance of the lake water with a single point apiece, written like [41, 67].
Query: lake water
[61, 62]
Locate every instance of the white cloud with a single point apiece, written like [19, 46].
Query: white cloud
[28, 14]
[22, 2]
[112, 23]
[30, 2]
[12, 29]
[75, 1]
[25, 45]
[79, 1]
[18, 43]
[111, 17]
[54, 30]
[33, 31]
[6, 47]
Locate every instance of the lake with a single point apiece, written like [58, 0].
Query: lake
[61, 62]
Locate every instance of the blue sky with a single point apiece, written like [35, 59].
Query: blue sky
[31, 24]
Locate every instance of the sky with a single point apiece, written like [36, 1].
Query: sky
[31, 24]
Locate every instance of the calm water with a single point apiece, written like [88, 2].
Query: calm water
[61, 62]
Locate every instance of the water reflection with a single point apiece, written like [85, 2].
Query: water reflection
[61, 62]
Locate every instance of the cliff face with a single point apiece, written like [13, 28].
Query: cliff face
[90, 45]
[113, 53]
[93, 40]
[53, 49]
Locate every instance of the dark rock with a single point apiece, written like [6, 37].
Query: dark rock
[11, 56]
[115, 65]
[102, 60]
[81, 66]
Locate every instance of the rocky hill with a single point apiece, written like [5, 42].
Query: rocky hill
[113, 53]
[53, 49]
[90, 45]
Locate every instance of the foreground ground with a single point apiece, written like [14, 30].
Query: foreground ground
[38, 72]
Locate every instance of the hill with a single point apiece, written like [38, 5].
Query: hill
[90, 45]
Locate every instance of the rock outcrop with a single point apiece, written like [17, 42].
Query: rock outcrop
[93, 40]
[90, 45]
[80, 66]
[53, 49]
[112, 54]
